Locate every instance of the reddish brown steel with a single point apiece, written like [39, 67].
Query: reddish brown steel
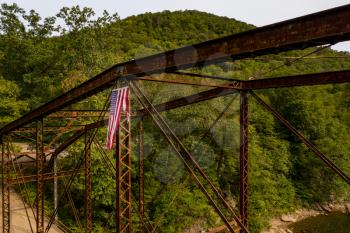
[315, 29]
[46, 176]
[57, 135]
[40, 160]
[244, 160]
[289, 81]
[324, 27]
[5, 156]
[266, 83]
[185, 81]
[302, 138]
[203, 76]
[63, 146]
[123, 174]
[88, 185]
[180, 102]
[188, 100]
[299, 80]
[213, 195]
[48, 129]
[74, 114]
[141, 169]
[68, 142]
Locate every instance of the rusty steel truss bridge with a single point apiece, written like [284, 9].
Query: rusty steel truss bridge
[315, 30]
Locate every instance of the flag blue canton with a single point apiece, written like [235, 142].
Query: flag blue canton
[113, 101]
[119, 103]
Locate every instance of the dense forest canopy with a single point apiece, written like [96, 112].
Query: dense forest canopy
[42, 58]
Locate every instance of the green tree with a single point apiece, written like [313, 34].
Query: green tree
[10, 106]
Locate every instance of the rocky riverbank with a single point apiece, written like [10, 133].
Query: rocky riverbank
[280, 225]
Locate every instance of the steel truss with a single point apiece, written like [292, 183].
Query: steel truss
[123, 175]
[5, 156]
[40, 160]
[244, 158]
[302, 138]
[88, 184]
[45, 176]
[123, 141]
[14, 176]
[223, 209]
[327, 27]
[141, 171]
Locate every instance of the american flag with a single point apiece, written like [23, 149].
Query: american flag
[119, 103]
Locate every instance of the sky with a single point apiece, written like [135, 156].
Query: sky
[256, 12]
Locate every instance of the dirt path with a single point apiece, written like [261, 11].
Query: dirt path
[19, 221]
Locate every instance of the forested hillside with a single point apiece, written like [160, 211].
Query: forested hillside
[42, 58]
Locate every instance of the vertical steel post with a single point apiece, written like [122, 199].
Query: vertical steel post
[141, 168]
[5, 159]
[40, 159]
[244, 159]
[88, 185]
[55, 186]
[118, 184]
[123, 162]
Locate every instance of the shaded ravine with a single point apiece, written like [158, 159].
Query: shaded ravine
[335, 222]
[321, 219]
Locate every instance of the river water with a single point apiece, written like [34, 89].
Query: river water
[335, 222]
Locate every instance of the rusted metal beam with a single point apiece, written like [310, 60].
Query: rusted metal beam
[203, 76]
[324, 27]
[5, 156]
[299, 80]
[81, 110]
[123, 173]
[55, 186]
[244, 160]
[45, 176]
[289, 81]
[180, 102]
[88, 185]
[202, 83]
[68, 142]
[40, 160]
[48, 129]
[141, 171]
[184, 101]
[75, 114]
[63, 146]
[213, 196]
[58, 134]
[302, 138]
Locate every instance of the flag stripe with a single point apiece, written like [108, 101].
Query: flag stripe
[115, 117]
[114, 101]
[111, 118]
[119, 103]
